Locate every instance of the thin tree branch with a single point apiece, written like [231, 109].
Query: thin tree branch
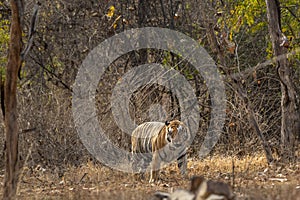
[32, 31]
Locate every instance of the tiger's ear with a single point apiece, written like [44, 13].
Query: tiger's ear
[167, 123]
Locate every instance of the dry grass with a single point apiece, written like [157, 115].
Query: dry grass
[251, 178]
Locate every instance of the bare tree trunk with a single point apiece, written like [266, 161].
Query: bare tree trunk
[10, 101]
[290, 113]
[213, 42]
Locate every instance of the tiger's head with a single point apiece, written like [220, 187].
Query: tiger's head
[174, 130]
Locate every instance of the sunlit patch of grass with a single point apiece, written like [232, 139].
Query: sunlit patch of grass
[250, 176]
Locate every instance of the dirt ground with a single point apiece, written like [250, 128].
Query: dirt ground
[250, 177]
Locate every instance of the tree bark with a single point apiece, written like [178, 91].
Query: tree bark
[10, 101]
[290, 113]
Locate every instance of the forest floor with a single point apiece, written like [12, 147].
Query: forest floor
[251, 177]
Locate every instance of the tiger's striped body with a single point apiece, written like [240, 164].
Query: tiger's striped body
[158, 142]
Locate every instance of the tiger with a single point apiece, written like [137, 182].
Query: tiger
[154, 142]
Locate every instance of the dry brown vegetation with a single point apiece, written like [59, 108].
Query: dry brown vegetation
[54, 162]
[251, 177]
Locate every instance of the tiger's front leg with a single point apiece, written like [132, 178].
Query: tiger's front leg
[155, 165]
[182, 164]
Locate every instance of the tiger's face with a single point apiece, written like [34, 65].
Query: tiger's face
[174, 130]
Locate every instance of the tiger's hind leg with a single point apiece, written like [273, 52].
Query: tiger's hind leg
[139, 166]
[155, 165]
[144, 164]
